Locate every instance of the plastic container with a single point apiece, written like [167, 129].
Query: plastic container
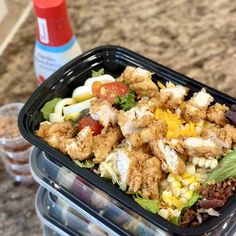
[9, 134]
[21, 169]
[56, 43]
[113, 59]
[71, 191]
[86, 199]
[19, 178]
[20, 157]
[64, 219]
[47, 231]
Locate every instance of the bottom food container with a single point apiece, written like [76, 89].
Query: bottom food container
[74, 205]
[60, 218]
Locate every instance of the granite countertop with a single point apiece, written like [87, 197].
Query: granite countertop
[196, 38]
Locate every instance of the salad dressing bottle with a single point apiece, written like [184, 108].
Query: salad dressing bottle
[55, 44]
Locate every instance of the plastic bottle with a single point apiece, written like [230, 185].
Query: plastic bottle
[56, 43]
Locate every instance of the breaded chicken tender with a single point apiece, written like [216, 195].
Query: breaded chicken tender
[200, 147]
[224, 137]
[173, 97]
[139, 171]
[140, 81]
[55, 133]
[105, 142]
[151, 174]
[170, 160]
[156, 130]
[195, 109]
[131, 121]
[216, 114]
[80, 147]
[102, 111]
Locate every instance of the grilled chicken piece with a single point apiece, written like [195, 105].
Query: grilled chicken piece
[170, 161]
[102, 111]
[55, 133]
[140, 81]
[199, 147]
[80, 147]
[173, 97]
[216, 114]
[105, 142]
[195, 109]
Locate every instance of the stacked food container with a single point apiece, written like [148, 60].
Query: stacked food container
[76, 201]
[14, 149]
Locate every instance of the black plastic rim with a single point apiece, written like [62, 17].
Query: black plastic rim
[64, 80]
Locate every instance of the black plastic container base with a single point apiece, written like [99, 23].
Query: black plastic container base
[113, 59]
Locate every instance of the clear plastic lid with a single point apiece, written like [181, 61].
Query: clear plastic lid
[95, 205]
[61, 215]
[47, 231]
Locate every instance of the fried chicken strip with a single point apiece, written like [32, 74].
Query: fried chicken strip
[105, 142]
[170, 160]
[140, 81]
[216, 114]
[102, 111]
[80, 147]
[173, 97]
[195, 109]
[55, 133]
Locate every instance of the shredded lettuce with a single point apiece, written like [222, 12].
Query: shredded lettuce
[148, 204]
[85, 164]
[126, 102]
[49, 107]
[225, 169]
[97, 73]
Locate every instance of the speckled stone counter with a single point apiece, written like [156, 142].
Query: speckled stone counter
[196, 38]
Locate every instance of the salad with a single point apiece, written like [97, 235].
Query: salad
[172, 151]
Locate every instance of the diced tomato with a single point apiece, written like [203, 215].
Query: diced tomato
[110, 91]
[96, 87]
[95, 126]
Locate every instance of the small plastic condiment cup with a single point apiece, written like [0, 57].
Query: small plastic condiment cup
[26, 179]
[21, 169]
[21, 156]
[11, 112]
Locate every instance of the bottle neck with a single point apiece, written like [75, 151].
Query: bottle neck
[53, 33]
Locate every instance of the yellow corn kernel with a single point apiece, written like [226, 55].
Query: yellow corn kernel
[194, 186]
[164, 213]
[183, 200]
[160, 85]
[174, 213]
[182, 105]
[191, 169]
[167, 196]
[176, 191]
[188, 181]
[187, 194]
[185, 175]
[177, 178]
[170, 178]
[170, 85]
[176, 202]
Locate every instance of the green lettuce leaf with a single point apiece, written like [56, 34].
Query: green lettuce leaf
[225, 169]
[97, 73]
[126, 102]
[85, 164]
[49, 107]
[148, 204]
